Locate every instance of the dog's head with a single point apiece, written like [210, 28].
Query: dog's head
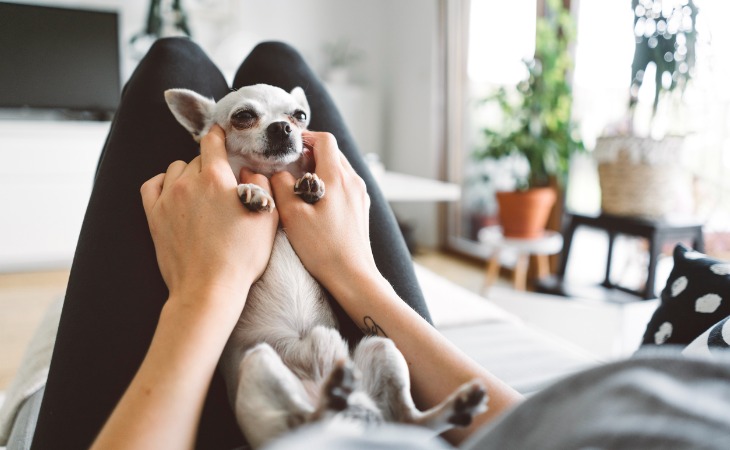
[263, 123]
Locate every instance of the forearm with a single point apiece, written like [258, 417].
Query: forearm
[161, 408]
[437, 367]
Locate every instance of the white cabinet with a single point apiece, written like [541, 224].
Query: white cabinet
[46, 174]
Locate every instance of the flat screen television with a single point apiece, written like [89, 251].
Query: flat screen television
[59, 59]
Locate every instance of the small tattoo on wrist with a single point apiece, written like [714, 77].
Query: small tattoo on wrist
[371, 328]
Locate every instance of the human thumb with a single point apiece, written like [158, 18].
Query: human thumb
[282, 187]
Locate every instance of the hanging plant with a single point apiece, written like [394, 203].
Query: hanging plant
[665, 37]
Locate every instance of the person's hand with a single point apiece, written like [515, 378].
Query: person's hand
[204, 238]
[331, 237]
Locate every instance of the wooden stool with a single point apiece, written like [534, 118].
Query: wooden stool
[550, 243]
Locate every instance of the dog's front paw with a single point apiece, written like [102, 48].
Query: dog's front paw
[309, 187]
[470, 401]
[255, 198]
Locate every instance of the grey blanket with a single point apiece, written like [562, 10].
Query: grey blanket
[655, 401]
[658, 401]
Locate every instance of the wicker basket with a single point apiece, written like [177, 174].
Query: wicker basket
[638, 176]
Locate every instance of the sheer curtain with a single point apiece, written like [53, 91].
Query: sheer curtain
[486, 41]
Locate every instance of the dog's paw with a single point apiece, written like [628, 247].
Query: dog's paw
[340, 384]
[309, 187]
[255, 198]
[470, 401]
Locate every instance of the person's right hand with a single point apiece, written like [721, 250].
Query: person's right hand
[204, 238]
[331, 237]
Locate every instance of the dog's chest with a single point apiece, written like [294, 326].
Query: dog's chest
[287, 302]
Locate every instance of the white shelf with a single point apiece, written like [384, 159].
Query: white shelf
[400, 187]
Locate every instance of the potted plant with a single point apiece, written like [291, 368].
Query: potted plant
[640, 157]
[341, 57]
[536, 137]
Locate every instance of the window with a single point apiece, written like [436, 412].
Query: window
[501, 33]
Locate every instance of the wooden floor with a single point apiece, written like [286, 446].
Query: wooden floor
[463, 271]
[24, 298]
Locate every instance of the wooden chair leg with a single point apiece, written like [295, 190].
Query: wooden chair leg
[543, 266]
[520, 273]
[492, 272]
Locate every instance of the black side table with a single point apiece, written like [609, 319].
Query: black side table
[657, 232]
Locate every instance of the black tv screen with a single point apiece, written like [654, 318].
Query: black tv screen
[59, 58]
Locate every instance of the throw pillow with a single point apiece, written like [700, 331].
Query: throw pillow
[696, 297]
[714, 340]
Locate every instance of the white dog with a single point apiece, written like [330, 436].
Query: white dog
[285, 363]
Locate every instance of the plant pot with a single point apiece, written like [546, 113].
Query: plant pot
[524, 214]
[639, 176]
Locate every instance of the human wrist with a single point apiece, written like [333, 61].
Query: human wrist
[209, 298]
[356, 283]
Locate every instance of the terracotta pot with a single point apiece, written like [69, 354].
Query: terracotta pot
[524, 214]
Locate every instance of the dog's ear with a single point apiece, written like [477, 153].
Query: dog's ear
[299, 96]
[192, 110]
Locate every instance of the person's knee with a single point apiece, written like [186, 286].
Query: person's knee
[174, 49]
[279, 51]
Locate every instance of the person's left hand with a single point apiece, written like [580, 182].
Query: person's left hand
[204, 238]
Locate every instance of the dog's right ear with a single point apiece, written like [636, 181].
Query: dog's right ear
[192, 110]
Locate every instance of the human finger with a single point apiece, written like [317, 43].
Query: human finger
[150, 191]
[194, 165]
[346, 163]
[174, 170]
[247, 176]
[213, 146]
[282, 188]
[324, 148]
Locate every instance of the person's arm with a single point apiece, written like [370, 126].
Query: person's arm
[210, 250]
[331, 238]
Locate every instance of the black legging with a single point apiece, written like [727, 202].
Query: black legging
[115, 291]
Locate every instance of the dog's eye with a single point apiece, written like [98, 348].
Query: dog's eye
[300, 116]
[244, 114]
[243, 119]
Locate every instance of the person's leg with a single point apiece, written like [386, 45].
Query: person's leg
[115, 291]
[280, 65]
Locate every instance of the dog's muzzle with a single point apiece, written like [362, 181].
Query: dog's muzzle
[280, 140]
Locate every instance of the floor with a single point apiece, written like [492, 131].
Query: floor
[24, 297]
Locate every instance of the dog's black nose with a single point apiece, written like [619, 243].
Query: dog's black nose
[279, 130]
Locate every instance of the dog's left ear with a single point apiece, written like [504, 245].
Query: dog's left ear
[299, 96]
[192, 110]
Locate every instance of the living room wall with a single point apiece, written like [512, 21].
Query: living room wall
[397, 71]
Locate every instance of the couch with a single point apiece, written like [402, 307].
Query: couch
[526, 359]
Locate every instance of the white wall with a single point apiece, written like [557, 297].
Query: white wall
[413, 130]
[398, 72]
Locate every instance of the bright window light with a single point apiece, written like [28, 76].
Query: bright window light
[501, 35]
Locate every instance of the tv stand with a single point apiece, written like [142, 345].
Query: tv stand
[45, 182]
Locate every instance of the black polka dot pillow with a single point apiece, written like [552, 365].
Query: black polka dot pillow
[716, 339]
[696, 297]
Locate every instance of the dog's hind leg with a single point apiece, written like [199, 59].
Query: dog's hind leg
[386, 379]
[270, 399]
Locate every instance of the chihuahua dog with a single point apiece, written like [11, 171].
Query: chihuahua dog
[286, 363]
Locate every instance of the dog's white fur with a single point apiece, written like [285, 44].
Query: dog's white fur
[285, 363]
